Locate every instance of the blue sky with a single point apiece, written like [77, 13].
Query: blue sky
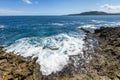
[56, 7]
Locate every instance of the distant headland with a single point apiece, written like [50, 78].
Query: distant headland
[94, 13]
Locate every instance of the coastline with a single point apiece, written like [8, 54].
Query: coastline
[104, 65]
[16, 67]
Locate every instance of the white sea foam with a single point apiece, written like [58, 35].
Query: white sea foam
[112, 24]
[52, 52]
[2, 26]
[98, 21]
[57, 24]
[88, 26]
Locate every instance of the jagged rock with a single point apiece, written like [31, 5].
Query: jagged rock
[15, 67]
[104, 65]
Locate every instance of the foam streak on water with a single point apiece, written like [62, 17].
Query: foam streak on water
[2, 26]
[52, 52]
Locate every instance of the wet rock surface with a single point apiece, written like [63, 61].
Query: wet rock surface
[104, 65]
[105, 62]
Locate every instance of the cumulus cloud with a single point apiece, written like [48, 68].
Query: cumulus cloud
[27, 1]
[110, 8]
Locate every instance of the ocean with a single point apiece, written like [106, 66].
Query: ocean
[53, 39]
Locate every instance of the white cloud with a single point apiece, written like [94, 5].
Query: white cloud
[110, 8]
[27, 1]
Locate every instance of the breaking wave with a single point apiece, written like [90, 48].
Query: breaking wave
[98, 21]
[52, 52]
[88, 26]
[57, 24]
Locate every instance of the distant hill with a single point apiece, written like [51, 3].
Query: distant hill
[94, 13]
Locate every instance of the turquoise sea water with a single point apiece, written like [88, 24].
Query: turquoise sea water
[51, 38]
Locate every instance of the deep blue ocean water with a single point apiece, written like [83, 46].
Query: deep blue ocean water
[51, 38]
[15, 27]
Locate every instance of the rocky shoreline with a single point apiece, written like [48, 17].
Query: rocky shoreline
[104, 65]
[15, 67]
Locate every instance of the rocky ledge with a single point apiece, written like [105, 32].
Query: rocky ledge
[15, 67]
[105, 62]
[106, 59]
[104, 65]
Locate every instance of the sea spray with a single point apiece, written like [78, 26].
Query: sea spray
[52, 52]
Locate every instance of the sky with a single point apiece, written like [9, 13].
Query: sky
[56, 7]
